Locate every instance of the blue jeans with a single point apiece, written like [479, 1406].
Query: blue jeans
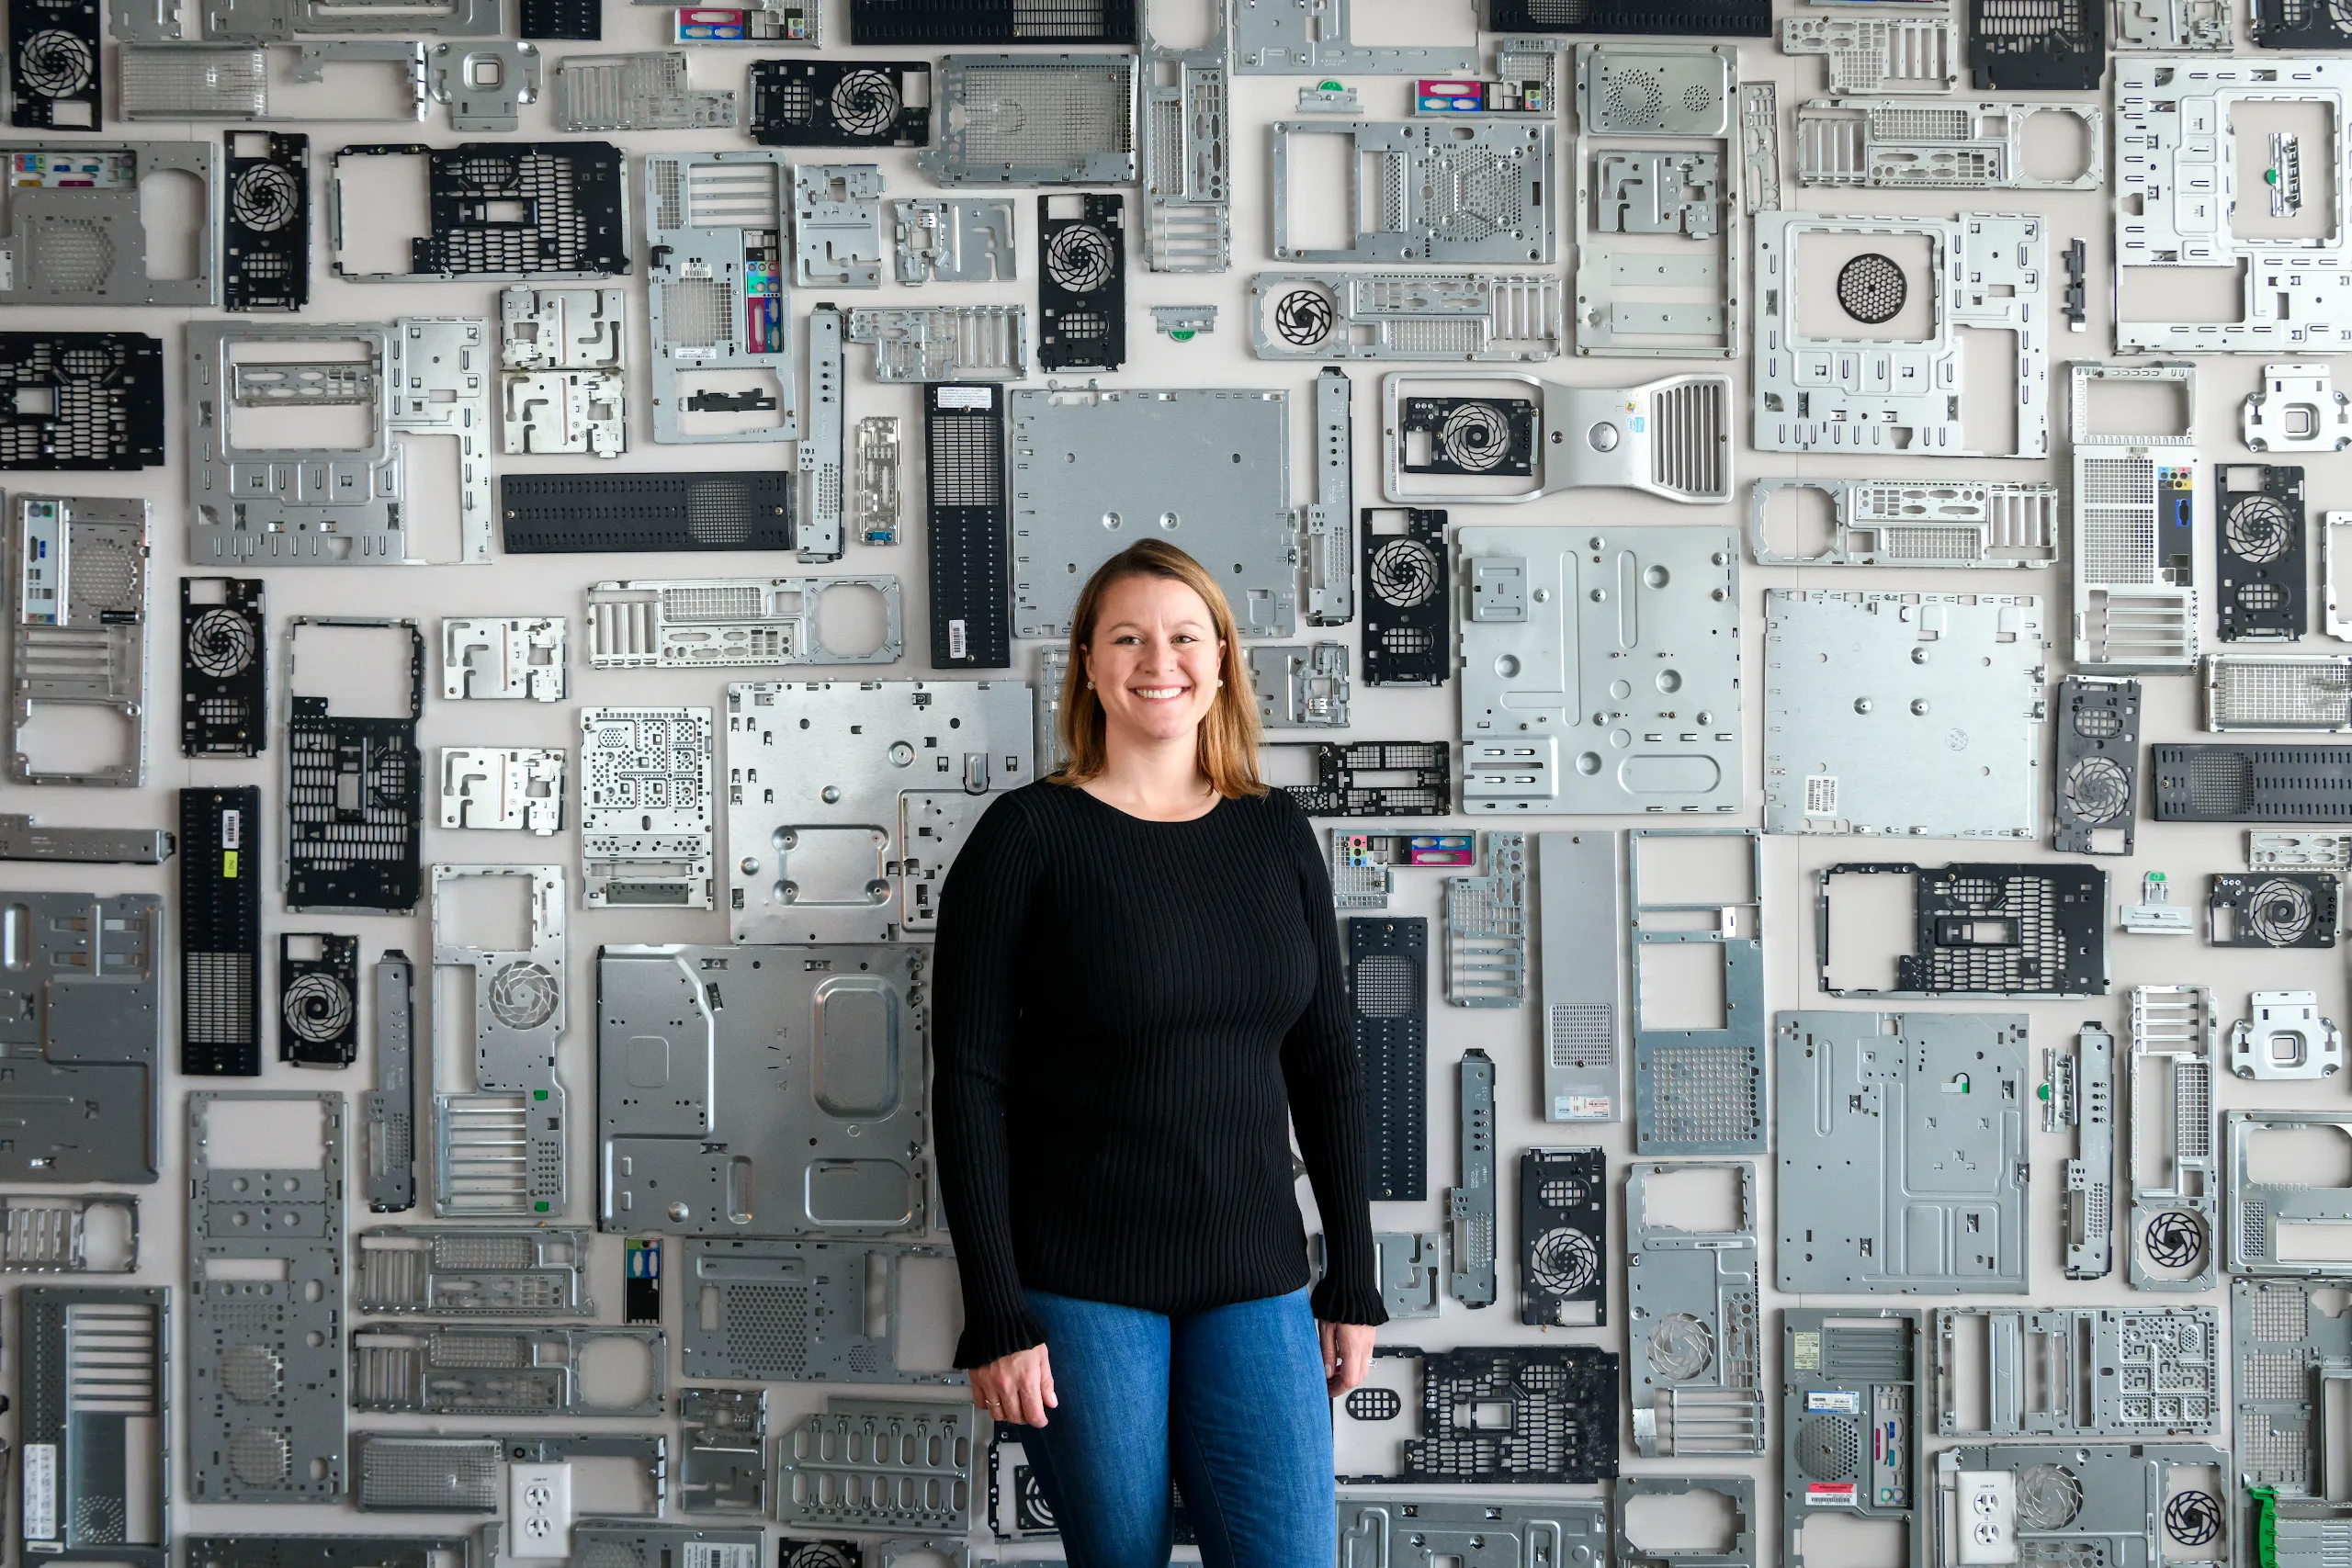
[1230, 1401]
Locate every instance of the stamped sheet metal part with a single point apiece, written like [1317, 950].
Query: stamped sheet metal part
[1388, 998]
[900, 1467]
[320, 1550]
[2172, 1227]
[446, 1472]
[1386, 1531]
[562, 386]
[2258, 545]
[2180, 115]
[485, 85]
[698, 623]
[1623, 652]
[2077, 1372]
[265, 1350]
[355, 793]
[1210, 468]
[1313, 37]
[220, 920]
[1470, 1207]
[2290, 1353]
[443, 1369]
[2079, 1092]
[388, 1111]
[2096, 783]
[1735, 1548]
[265, 259]
[1477, 318]
[77, 402]
[2036, 46]
[489, 1271]
[639, 513]
[992, 21]
[1563, 1236]
[22, 838]
[945, 343]
[53, 80]
[837, 226]
[223, 667]
[2284, 1226]
[722, 313]
[821, 454]
[1820, 388]
[1533, 1415]
[1408, 597]
[1375, 778]
[1082, 282]
[2253, 784]
[969, 537]
[2277, 691]
[573, 221]
[1360, 863]
[1852, 1392]
[802, 1311]
[512, 657]
[500, 1148]
[2134, 594]
[1448, 193]
[840, 103]
[2033, 1503]
[93, 1381]
[791, 24]
[1911, 714]
[847, 802]
[723, 1451]
[1901, 143]
[876, 501]
[1695, 1350]
[1984, 927]
[1698, 1090]
[1714, 18]
[2286, 1039]
[1659, 219]
[77, 612]
[1034, 119]
[2298, 24]
[968, 241]
[71, 1232]
[76, 235]
[513, 789]
[1859, 1096]
[1957, 522]
[641, 1545]
[1581, 930]
[2274, 908]
[1879, 54]
[2295, 409]
[1328, 586]
[819, 1053]
[318, 1000]
[1185, 127]
[2315, 852]
[1670, 437]
[637, 92]
[1300, 685]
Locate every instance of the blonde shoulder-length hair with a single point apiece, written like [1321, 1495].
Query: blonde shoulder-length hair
[1228, 733]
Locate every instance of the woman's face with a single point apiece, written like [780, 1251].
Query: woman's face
[1154, 658]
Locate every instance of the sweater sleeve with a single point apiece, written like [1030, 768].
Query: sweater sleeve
[983, 916]
[1327, 1102]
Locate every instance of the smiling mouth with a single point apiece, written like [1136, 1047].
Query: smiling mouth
[1158, 694]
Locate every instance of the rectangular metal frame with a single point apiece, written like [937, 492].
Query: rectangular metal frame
[647, 798]
[1852, 1397]
[563, 387]
[715, 232]
[2142, 1503]
[1563, 1237]
[1701, 1091]
[388, 1111]
[1737, 1491]
[839, 103]
[1408, 599]
[82, 1039]
[2135, 599]
[1694, 1350]
[1423, 209]
[2077, 1372]
[820, 456]
[1300, 685]
[1385, 1530]
[1185, 127]
[904, 1467]
[2288, 1361]
[1475, 317]
[1470, 1207]
[1971, 144]
[1988, 929]
[447, 1368]
[640, 513]
[50, 1234]
[1879, 54]
[1034, 119]
[1578, 886]
[723, 1451]
[1670, 437]
[366, 856]
[77, 605]
[22, 838]
[799, 1311]
[2259, 571]
[945, 343]
[499, 1147]
[573, 221]
[2172, 1238]
[645, 91]
[482, 1272]
[1486, 927]
[2311, 693]
[965, 241]
[94, 1385]
[2080, 1087]
[453, 1472]
[1521, 1414]
[513, 788]
[1336, 793]
[736, 622]
[369, 1550]
[2260, 1210]
[1905, 522]
[265, 256]
[76, 235]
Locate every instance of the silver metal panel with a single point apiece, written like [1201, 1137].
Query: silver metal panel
[837, 225]
[1958, 523]
[1759, 129]
[2298, 408]
[2286, 1039]
[22, 838]
[1738, 1491]
[1474, 317]
[2277, 691]
[1312, 37]
[2284, 1227]
[646, 805]
[1851, 1390]
[2082, 1096]
[2078, 1372]
[80, 1030]
[1670, 437]
[53, 1234]
[738, 621]
[499, 1147]
[438, 1473]
[2172, 1239]
[2136, 610]
[801, 1311]
[761, 1091]
[2289, 1358]
[1187, 152]
[478, 1272]
[1860, 1097]
[1599, 669]
[1300, 685]
[873, 1465]
[522, 656]
[1701, 1091]
[636, 91]
[1695, 1352]
[95, 1377]
[485, 85]
[563, 387]
[1329, 543]
[1472, 192]
[388, 1112]
[76, 236]
[1486, 928]
[1470, 1207]
[1403, 1531]
[77, 605]
[723, 1451]
[1034, 119]
[1912, 714]
[817, 532]
[1874, 54]
[714, 234]
[968, 241]
[822, 777]
[449, 1369]
[945, 343]
[516, 790]
[2145, 1503]
[1899, 145]
[1579, 929]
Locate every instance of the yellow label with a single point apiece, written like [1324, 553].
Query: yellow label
[1805, 1350]
[228, 863]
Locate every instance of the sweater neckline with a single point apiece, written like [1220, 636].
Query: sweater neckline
[1222, 801]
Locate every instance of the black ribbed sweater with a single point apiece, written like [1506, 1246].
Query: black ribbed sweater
[1126, 1014]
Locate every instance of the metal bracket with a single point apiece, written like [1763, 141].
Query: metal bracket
[76, 235]
[94, 1378]
[1738, 1491]
[2298, 408]
[723, 1456]
[485, 85]
[2306, 692]
[702, 623]
[1695, 1350]
[1478, 318]
[1470, 1207]
[1698, 1090]
[1300, 685]
[1456, 194]
[1310, 37]
[1879, 54]
[873, 1465]
[476, 1272]
[524, 658]
[449, 1369]
[1486, 928]
[715, 226]
[837, 226]
[518, 790]
[562, 382]
[56, 1234]
[77, 605]
[1901, 144]
[2286, 1039]
[953, 241]
[1670, 437]
[646, 794]
[388, 1112]
[438, 1473]
[637, 92]
[2080, 1094]
[819, 536]
[1029, 119]
[1919, 524]
[499, 1148]
[2173, 1241]
[802, 1310]
[1577, 885]
[945, 343]
[1186, 130]
[1852, 1392]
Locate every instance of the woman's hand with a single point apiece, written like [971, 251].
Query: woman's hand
[1347, 1354]
[1020, 1387]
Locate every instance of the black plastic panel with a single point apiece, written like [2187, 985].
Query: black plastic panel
[54, 81]
[591, 513]
[839, 103]
[2302, 24]
[224, 663]
[1990, 928]
[103, 410]
[355, 802]
[579, 20]
[2259, 543]
[1337, 792]
[2272, 908]
[2098, 766]
[2037, 45]
[971, 563]
[267, 222]
[1389, 984]
[1695, 19]
[1536, 1415]
[1083, 283]
[1562, 1237]
[2226, 783]
[570, 195]
[1483, 436]
[318, 1000]
[1407, 641]
[221, 871]
[1057, 22]
[641, 1279]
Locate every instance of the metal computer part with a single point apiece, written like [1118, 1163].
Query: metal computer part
[22, 838]
[1082, 282]
[2297, 408]
[265, 259]
[94, 1383]
[1477, 318]
[438, 1473]
[1555, 621]
[1517, 439]
[803, 1311]
[572, 221]
[1311, 37]
[1300, 685]
[1695, 1350]
[1879, 54]
[562, 385]
[2028, 1503]
[2135, 599]
[485, 85]
[318, 998]
[513, 788]
[499, 1147]
[969, 241]
[876, 514]
[902, 1466]
[1388, 963]
[1983, 928]
[84, 1232]
[2079, 1093]
[1329, 584]
[1563, 1232]
[837, 225]
[2259, 543]
[76, 233]
[1698, 1080]
[476, 1272]
[388, 1112]
[1361, 863]
[840, 103]
[77, 609]
[2253, 784]
[512, 657]
[1856, 1092]
[774, 1090]
[1387, 1530]
[820, 456]
[81, 401]
[945, 343]
[637, 92]
[2097, 778]
[723, 1451]
[1958, 523]
[53, 80]
[721, 319]
[2015, 44]
[1403, 778]
[1408, 597]
[2284, 1223]
[639, 512]
[2315, 852]
[354, 791]
[265, 1334]
[1537, 1413]
[2156, 914]
[2286, 1038]
[1184, 125]
[223, 667]
[1737, 1494]
[2290, 1357]
[1470, 1207]
[220, 887]
[1760, 126]
[646, 802]
[2277, 691]
[320, 1550]
[1577, 890]
[446, 1369]
[1458, 194]
[2173, 1225]
[699, 622]
[1899, 143]
[1486, 928]
[1859, 686]
[1852, 1392]
[847, 802]
[2275, 909]
[2076, 1371]
[1031, 119]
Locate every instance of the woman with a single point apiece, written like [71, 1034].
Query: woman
[1138, 993]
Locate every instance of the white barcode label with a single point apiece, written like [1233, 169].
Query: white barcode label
[40, 1492]
[1821, 794]
[1589, 1108]
[721, 1554]
[962, 397]
[956, 642]
[232, 830]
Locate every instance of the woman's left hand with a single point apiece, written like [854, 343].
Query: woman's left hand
[1347, 1354]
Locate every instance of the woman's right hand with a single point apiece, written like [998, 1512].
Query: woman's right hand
[1018, 1388]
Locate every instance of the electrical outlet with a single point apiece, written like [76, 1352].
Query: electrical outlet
[1985, 1512]
[538, 1507]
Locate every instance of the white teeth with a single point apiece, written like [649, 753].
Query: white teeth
[1159, 693]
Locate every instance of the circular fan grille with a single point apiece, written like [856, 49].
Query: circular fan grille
[1681, 1347]
[1872, 288]
[1374, 1403]
[2098, 789]
[1698, 98]
[1564, 1262]
[250, 1374]
[53, 64]
[1829, 1448]
[264, 199]
[2193, 1519]
[2257, 529]
[1303, 317]
[811, 1554]
[523, 994]
[2280, 913]
[1081, 258]
[864, 103]
[2048, 1497]
[318, 1009]
[1404, 573]
[1630, 97]
[258, 1457]
[220, 644]
[1473, 437]
[1031, 1507]
[2173, 1239]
